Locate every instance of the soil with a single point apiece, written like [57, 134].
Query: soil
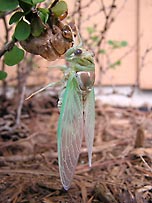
[121, 169]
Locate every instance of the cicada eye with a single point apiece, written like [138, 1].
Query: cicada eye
[78, 52]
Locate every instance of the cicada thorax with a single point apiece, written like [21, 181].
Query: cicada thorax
[51, 44]
[85, 80]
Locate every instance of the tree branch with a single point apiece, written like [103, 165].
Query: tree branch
[7, 47]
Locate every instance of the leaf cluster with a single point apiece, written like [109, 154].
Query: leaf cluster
[30, 19]
[94, 37]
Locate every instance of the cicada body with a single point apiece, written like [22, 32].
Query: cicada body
[77, 110]
[77, 113]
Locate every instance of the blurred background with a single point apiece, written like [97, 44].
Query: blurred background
[119, 33]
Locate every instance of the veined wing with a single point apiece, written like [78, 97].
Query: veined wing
[89, 122]
[70, 131]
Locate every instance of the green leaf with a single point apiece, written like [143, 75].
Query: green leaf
[117, 63]
[44, 10]
[22, 30]
[30, 2]
[124, 43]
[95, 38]
[117, 44]
[102, 51]
[25, 6]
[37, 26]
[91, 30]
[60, 8]
[110, 42]
[6, 5]
[37, 1]
[14, 56]
[3, 75]
[15, 17]
[44, 14]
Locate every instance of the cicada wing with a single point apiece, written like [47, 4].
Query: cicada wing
[70, 132]
[89, 122]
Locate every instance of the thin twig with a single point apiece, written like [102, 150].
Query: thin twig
[26, 171]
[20, 106]
[7, 47]
[146, 164]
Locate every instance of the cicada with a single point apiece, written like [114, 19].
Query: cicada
[77, 110]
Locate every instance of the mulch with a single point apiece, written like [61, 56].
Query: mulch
[121, 169]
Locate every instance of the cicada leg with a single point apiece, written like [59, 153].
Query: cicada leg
[62, 68]
[54, 84]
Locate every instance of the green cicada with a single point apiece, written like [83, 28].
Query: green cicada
[77, 110]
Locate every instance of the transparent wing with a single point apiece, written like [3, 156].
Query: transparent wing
[89, 122]
[70, 132]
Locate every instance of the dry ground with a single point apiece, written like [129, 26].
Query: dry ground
[122, 156]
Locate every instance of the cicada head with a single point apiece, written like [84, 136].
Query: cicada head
[80, 59]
